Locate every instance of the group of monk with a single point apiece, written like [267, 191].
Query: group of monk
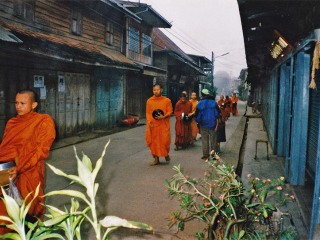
[28, 138]
[158, 112]
[228, 106]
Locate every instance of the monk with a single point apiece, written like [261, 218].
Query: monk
[222, 107]
[234, 101]
[183, 127]
[194, 126]
[27, 140]
[227, 103]
[158, 137]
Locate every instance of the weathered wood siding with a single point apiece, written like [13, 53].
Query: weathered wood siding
[74, 110]
[139, 56]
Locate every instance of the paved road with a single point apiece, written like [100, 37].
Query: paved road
[129, 187]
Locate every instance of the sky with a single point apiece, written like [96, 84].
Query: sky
[201, 27]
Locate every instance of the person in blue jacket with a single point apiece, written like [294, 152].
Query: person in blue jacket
[207, 116]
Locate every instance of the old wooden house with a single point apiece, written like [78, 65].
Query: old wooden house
[182, 71]
[81, 58]
[140, 49]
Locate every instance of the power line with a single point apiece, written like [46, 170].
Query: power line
[183, 41]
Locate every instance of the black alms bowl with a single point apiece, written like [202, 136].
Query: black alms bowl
[157, 113]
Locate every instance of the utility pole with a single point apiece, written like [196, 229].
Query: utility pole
[212, 70]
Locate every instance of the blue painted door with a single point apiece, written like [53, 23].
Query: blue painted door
[109, 98]
[300, 120]
[283, 108]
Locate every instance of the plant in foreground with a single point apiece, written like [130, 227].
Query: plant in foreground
[70, 220]
[220, 200]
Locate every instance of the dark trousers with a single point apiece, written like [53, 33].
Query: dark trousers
[209, 141]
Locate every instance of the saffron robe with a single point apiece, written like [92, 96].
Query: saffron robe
[234, 101]
[29, 138]
[194, 126]
[183, 128]
[158, 137]
[227, 103]
[222, 107]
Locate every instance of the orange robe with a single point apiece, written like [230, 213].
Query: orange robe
[158, 137]
[183, 129]
[228, 103]
[221, 104]
[28, 137]
[194, 126]
[234, 101]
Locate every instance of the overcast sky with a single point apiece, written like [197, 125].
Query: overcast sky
[204, 26]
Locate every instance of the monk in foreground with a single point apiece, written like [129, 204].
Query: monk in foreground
[158, 112]
[27, 140]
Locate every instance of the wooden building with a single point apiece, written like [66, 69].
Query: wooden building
[182, 71]
[81, 58]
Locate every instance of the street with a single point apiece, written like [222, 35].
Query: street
[129, 187]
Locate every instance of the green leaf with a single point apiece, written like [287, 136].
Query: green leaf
[269, 206]
[252, 205]
[61, 173]
[87, 162]
[14, 236]
[241, 234]
[113, 221]
[86, 178]
[12, 207]
[72, 193]
[50, 236]
[55, 220]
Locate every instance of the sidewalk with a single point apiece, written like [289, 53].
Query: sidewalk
[131, 189]
[273, 168]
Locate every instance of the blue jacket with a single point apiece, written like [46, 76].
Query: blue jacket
[207, 113]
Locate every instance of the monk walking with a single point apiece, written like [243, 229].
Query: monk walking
[227, 103]
[194, 126]
[27, 140]
[183, 122]
[234, 101]
[222, 107]
[158, 112]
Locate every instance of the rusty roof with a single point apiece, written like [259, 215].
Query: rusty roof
[112, 55]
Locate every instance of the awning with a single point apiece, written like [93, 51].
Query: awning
[8, 36]
[110, 56]
[152, 71]
[197, 69]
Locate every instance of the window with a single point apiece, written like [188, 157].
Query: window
[76, 22]
[24, 9]
[134, 40]
[109, 33]
[146, 45]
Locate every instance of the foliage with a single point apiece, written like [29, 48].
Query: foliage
[66, 224]
[220, 200]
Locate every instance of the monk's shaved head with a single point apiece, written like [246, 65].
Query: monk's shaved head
[31, 93]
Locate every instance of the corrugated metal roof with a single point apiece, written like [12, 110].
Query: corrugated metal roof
[7, 36]
[147, 14]
[112, 55]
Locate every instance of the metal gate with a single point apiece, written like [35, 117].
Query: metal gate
[283, 108]
[313, 128]
[300, 119]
